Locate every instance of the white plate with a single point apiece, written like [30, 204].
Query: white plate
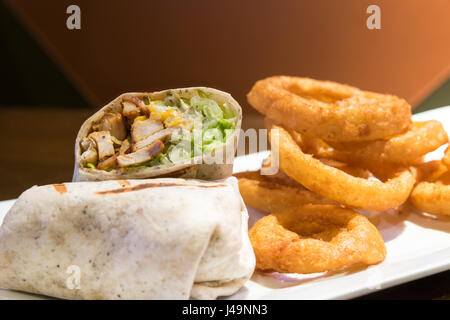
[417, 246]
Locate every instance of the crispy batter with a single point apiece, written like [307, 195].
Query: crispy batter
[432, 195]
[322, 152]
[329, 110]
[407, 147]
[275, 193]
[338, 185]
[432, 198]
[315, 238]
[430, 171]
[311, 144]
[446, 159]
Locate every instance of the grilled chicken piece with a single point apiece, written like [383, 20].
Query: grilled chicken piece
[89, 156]
[104, 144]
[130, 110]
[140, 156]
[160, 135]
[113, 122]
[125, 147]
[109, 163]
[137, 102]
[87, 143]
[142, 129]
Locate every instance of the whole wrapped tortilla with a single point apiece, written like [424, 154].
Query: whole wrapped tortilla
[139, 239]
[188, 133]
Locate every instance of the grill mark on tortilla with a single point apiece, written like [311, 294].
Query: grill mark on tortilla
[156, 185]
[60, 188]
[124, 183]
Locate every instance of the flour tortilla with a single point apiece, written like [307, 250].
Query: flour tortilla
[137, 239]
[195, 168]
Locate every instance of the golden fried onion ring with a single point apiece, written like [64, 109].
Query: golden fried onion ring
[407, 147]
[329, 110]
[430, 171]
[433, 195]
[275, 193]
[446, 158]
[336, 184]
[315, 238]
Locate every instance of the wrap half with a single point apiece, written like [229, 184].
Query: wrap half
[139, 239]
[188, 133]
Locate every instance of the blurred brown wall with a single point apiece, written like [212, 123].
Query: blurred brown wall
[150, 45]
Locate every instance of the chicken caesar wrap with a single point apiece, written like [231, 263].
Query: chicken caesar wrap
[187, 133]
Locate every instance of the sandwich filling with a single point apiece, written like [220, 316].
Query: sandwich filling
[157, 129]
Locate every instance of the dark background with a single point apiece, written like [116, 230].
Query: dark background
[150, 45]
[54, 78]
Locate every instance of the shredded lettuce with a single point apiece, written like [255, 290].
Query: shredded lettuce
[213, 111]
[203, 94]
[218, 120]
[212, 146]
[228, 133]
[180, 152]
[184, 104]
[147, 100]
[227, 123]
[211, 135]
[171, 100]
[227, 111]
[158, 160]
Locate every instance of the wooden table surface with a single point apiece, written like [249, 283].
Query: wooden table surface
[38, 148]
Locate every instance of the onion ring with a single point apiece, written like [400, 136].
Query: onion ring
[432, 198]
[283, 178]
[430, 171]
[313, 145]
[336, 184]
[325, 153]
[423, 138]
[275, 193]
[315, 238]
[329, 110]
[446, 158]
[406, 148]
[433, 195]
